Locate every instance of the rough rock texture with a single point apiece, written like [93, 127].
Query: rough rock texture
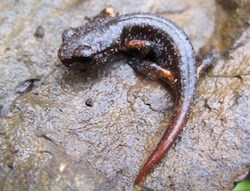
[92, 130]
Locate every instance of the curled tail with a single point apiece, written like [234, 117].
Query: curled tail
[175, 127]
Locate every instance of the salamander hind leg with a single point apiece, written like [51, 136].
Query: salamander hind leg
[152, 70]
[206, 61]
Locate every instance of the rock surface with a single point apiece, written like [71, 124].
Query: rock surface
[92, 130]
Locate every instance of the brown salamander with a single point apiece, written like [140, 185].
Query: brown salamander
[155, 47]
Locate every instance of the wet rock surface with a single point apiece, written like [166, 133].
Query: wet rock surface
[93, 129]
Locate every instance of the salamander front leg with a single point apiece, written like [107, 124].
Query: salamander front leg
[141, 63]
[108, 12]
[143, 47]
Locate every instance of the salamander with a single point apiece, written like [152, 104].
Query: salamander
[154, 46]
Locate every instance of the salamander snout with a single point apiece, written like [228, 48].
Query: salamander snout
[81, 56]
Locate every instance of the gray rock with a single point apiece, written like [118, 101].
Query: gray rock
[94, 129]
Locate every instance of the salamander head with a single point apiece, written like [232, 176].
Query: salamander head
[79, 48]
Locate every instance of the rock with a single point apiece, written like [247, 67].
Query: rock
[94, 129]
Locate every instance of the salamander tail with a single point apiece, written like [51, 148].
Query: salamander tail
[173, 130]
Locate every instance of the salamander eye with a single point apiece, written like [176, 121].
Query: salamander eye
[68, 33]
[77, 62]
[86, 60]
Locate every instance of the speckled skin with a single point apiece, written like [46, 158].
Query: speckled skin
[155, 47]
